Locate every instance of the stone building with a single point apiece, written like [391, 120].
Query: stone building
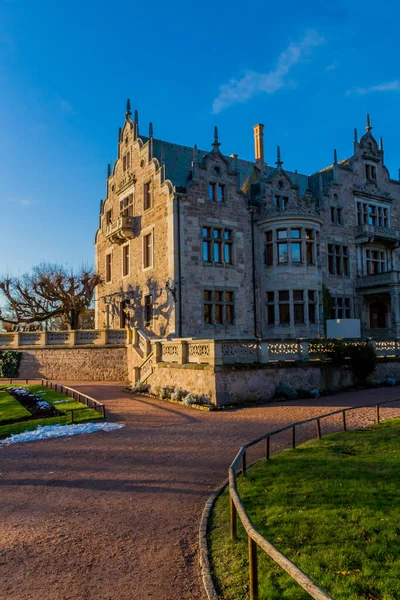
[197, 244]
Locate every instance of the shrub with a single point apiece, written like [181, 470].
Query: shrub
[165, 392]
[363, 361]
[340, 353]
[390, 381]
[315, 393]
[9, 364]
[201, 399]
[285, 392]
[179, 394]
[190, 399]
[140, 387]
[303, 394]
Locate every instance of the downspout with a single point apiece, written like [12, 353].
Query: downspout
[178, 214]
[253, 257]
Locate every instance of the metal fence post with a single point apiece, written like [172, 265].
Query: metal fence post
[233, 518]
[344, 421]
[318, 429]
[253, 574]
[294, 437]
[267, 448]
[377, 413]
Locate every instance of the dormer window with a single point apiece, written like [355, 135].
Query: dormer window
[216, 171]
[370, 172]
[216, 192]
[281, 202]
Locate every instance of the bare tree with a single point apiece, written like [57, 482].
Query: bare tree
[49, 291]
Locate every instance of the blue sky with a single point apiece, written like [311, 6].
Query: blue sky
[308, 71]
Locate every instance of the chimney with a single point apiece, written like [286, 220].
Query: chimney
[259, 143]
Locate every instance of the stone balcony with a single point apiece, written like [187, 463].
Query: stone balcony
[121, 230]
[364, 233]
[389, 278]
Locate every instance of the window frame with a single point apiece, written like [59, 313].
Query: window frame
[108, 266]
[217, 305]
[221, 242]
[148, 199]
[145, 254]
[148, 311]
[125, 261]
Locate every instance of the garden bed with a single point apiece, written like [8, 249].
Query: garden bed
[42, 406]
[331, 506]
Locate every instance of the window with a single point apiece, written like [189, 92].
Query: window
[284, 308]
[216, 192]
[126, 206]
[336, 215]
[298, 306]
[217, 245]
[376, 261]
[219, 307]
[295, 246]
[270, 308]
[338, 260]
[108, 217]
[148, 250]
[341, 308]
[108, 267]
[370, 171]
[126, 161]
[125, 260]
[269, 250]
[281, 202]
[310, 247]
[148, 310]
[312, 302]
[372, 214]
[147, 195]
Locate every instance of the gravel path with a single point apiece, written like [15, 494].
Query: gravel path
[114, 516]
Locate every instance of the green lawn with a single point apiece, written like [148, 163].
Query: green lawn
[332, 506]
[9, 410]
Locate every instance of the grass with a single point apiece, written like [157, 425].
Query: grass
[331, 506]
[6, 411]
[10, 408]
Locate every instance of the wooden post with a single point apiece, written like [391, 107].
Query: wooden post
[267, 448]
[72, 416]
[103, 410]
[294, 437]
[253, 575]
[377, 413]
[344, 421]
[233, 519]
[244, 464]
[319, 429]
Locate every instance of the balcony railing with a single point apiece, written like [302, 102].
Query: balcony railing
[379, 279]
[121, 230]
[83, 337]
[377, 232]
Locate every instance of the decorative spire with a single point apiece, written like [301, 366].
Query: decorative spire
[108, 170]
[128, 109]
[150, 130]
[136, 125]
[119, 134]
[335, 157]
[195, 155]
[279, 162]
[381, 144]
[195, 164]
[216, 142]
[368, 125]
[355, 136]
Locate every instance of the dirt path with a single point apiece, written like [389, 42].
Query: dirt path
[114, 516]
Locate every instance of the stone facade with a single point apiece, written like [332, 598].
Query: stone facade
[206, 245]
[79, 364]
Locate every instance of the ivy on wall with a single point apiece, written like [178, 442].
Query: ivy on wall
[9, 363]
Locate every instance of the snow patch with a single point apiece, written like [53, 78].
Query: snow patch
[54, 431]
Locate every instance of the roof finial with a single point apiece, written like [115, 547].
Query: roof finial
[136, 116]
[335, 157]
[279, 162]
[368, 125]
[119, 134]
[128, 109]
[381, 144]
[150, 129]
[108, 170]
[216, 143]
[355, 136]
[195, 155]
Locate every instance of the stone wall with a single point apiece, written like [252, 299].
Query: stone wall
[80, 364]
[235, 386]
[199, 379]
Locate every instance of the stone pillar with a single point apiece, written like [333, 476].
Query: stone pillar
[43, 338]
[182, 352]
[72, 338]
[303, 351]
[264, 352]
[102, 340]
[17, 341]
[157, 352]
[216, 357]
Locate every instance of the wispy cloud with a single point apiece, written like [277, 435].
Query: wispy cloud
[252, 82]
[390, 86]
